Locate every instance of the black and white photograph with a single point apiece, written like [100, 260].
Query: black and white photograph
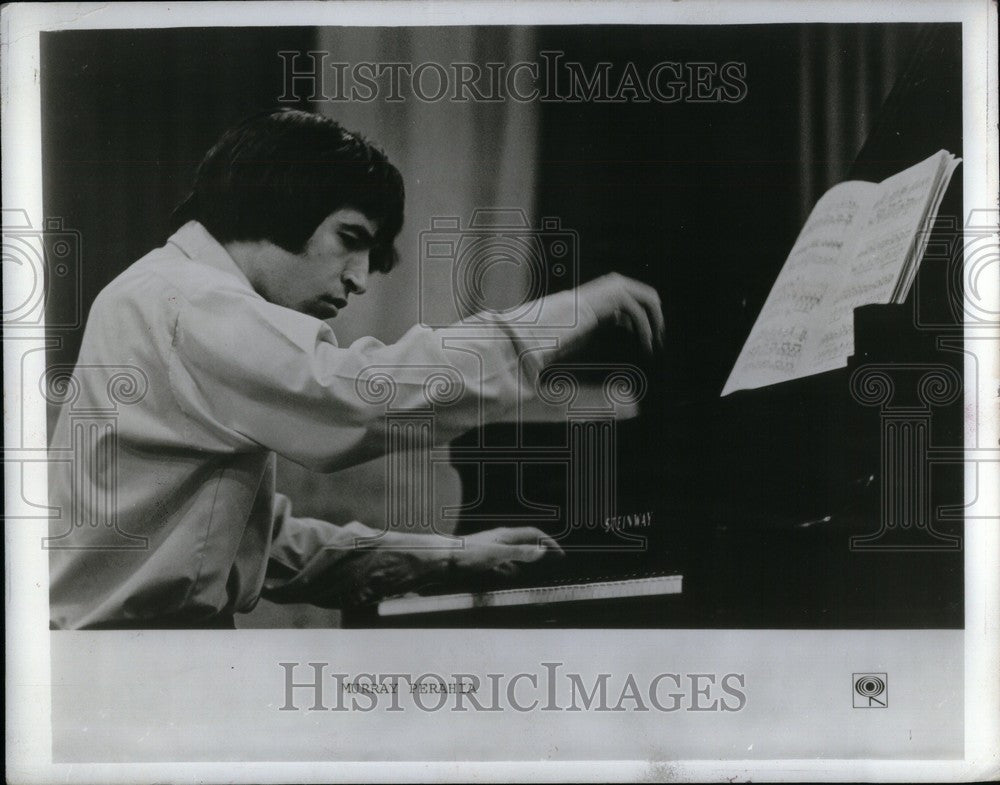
[558, 390]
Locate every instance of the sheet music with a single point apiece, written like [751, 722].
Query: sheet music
[880, 257]
[944, 175]
[858, 247]
[778, 344]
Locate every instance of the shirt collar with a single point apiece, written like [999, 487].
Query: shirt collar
[197, 243]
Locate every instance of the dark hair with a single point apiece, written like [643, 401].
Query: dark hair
[278, 175]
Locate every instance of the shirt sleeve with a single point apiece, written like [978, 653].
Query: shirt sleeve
[257, 374]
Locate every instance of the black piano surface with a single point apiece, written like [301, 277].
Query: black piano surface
[755, 498]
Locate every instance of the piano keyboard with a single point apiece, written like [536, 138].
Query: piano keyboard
[532, 595]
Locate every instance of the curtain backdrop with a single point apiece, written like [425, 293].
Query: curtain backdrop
[845, 74]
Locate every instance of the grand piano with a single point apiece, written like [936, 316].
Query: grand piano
[833, 501]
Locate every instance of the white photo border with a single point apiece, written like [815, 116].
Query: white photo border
[28, 674]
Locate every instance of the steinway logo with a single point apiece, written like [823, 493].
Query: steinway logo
[636, 520]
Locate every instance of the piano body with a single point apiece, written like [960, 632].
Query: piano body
[832, 501]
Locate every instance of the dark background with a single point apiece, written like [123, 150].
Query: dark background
[704, 202]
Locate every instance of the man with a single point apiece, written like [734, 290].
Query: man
[225, 330]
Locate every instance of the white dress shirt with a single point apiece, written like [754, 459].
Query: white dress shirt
[167, 508]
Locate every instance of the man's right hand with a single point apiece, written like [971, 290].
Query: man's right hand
[625, 302]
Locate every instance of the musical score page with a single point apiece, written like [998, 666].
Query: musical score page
[858, 247]
[777, 347]
[882, 256]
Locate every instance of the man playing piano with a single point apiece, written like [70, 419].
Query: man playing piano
[228, 325]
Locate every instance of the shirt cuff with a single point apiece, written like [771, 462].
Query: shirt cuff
[556, 328]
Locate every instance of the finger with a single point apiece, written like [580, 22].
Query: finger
[552, 547]
[640, 323]
[654, 310]
[649, 299]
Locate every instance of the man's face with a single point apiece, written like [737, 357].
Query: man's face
[332, 267]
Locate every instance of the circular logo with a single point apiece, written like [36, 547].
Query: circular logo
[869, 686]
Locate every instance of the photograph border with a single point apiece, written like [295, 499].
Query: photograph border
[29, 678]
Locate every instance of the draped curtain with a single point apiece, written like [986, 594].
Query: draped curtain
[845, 74]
